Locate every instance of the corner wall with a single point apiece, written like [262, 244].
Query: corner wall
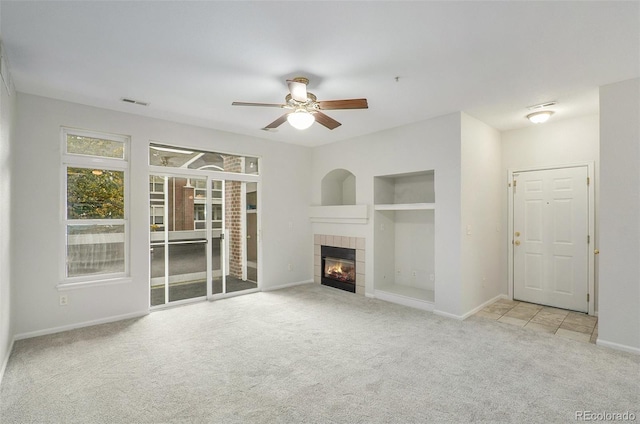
[7, 117]
[619, 259]
[481, 224]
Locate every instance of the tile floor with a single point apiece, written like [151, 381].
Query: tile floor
[562, 323]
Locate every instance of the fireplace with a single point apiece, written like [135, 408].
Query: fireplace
[338, 268]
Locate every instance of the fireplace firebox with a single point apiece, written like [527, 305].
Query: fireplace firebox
[338, 268]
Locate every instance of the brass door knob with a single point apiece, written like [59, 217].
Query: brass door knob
[517, 242]
[596, 252]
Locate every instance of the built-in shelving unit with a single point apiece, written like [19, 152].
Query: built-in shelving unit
[404, 222]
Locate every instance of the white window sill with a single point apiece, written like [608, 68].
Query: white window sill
[94, 283]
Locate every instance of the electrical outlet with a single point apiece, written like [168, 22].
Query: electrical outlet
[64, 300]
[414, 273]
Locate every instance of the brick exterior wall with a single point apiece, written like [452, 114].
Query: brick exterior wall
[234, 216]
[180, 217]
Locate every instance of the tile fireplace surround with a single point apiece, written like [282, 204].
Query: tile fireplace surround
[357, 243]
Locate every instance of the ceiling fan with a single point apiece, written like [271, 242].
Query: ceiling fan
[305, 108]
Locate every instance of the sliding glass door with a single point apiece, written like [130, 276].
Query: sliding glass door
[178, 238]
[203, 234]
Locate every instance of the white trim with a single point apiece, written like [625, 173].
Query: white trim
[618, 346]
[92, 283]
[284, 286]
[75, 326]
[487, 303]
[339, 214]
[215, 175]
[591, 218]
[6, 359]
[219, 296]
[404, 207]
[448, 315]
[399, 299]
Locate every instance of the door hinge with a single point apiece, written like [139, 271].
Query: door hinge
[515, 183]
[588, 180]
[587, 297]
[588, 238]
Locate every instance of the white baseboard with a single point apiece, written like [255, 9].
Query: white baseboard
[284, 286]
[618, 346]
[60, 329]
[6, 360]
[404, 300]
[484, 305]
[448, 315]
[471, 312]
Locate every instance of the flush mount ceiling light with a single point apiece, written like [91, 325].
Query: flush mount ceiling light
[300, 119]
[540, 117]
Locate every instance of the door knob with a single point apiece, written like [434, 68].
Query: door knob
[596, 252]
[517, 234]
[517, 242]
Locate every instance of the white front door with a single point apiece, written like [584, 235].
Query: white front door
[551, 227]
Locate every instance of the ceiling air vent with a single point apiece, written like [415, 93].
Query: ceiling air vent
[135, 102]
[542, 105]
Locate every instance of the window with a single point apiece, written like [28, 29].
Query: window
[94, 197]
[179, 157]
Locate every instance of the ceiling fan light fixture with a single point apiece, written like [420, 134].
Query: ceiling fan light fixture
[540, 117]
[300, 119]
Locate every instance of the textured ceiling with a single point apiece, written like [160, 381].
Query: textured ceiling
[411, 60]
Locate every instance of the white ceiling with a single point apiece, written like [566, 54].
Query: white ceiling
[190, 60]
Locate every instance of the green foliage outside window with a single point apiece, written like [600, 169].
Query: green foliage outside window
[90, 146]
[95, 194]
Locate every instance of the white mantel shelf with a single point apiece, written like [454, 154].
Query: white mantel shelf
[405, 207]
[340, 214]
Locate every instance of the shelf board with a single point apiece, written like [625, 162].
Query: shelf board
[405, 207]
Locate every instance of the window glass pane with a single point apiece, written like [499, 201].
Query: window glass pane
[81, 145]
[95, 249]
[178, 157]
[95, 193]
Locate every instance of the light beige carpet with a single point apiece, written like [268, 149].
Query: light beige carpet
[311, 354]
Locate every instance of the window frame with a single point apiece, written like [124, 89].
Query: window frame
[75, 160]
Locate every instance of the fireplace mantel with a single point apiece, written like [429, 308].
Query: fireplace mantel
[339, 214]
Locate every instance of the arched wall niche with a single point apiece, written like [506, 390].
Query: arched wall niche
[338, 188]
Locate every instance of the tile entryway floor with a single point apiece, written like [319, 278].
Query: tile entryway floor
[562, 323]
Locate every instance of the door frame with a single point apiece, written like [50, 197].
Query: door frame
[590, 219]
[210, 176]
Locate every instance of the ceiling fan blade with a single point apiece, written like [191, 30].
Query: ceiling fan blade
[344, 104]
[298, 90]
[277, 122]
[327, 121]
[257, 104]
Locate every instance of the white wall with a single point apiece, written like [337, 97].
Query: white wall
[433, 144]
[556, 142]
[619, 259]
[7, 116]
[37, 213]
[482, 279]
